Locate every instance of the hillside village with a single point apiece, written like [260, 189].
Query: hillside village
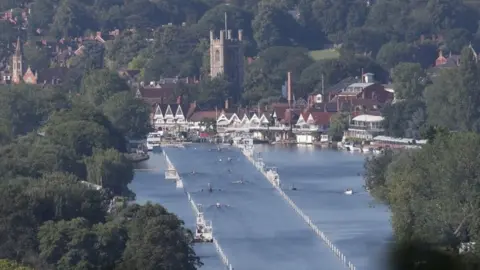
[81, 80]
[324, 101]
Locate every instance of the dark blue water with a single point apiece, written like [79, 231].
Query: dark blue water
[258, 230]
[152, 186]
[359, 228]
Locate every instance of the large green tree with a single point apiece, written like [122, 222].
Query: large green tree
[150, 225]
[453, 98]
[111, 170]
[100, 85]
[128, 114]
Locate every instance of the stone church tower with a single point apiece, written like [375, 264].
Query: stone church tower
[17, 64]
[227, 57]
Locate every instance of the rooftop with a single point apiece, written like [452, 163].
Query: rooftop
[368, 118]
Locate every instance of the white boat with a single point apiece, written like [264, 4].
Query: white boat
[153, 140]
[204, 230]
[348, 192]
[179, 183]
[367, 149]
[351, 147]
[273, 176]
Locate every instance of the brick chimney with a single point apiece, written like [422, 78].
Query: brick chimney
[289, 88]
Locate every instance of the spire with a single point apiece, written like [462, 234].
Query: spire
[18, 49]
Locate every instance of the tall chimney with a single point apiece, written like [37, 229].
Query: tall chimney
[289, 88]
[211, 35]
[240, 34]
[226, 104]
[229, 34]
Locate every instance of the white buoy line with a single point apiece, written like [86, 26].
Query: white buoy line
[273, 178]
[194, 206]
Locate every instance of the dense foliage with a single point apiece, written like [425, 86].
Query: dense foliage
[169, 38]
[53, 149]
[432, 192]
[53, 138]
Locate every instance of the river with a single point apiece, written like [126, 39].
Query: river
[256, 228]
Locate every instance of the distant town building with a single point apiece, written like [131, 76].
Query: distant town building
[20, 74]
[227, 56]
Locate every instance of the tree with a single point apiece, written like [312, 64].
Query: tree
[75, 244]
[264, 78]
[111, 170]
[81, 136]
[81, 111]
[404, 118]
[393, 53]
[150, 226]
[71, 19]
[375, 174]
[267, 27]
[128, 115]
[363, 40]
[431, 192]
[22, 108]
[100, 85]
[34, 156]
[9, 265]
[409, 81]
[91, 57]
[214, 19]
[338, 124]
[37, 58]
[59, 196]
[451, 99]
[214, 91]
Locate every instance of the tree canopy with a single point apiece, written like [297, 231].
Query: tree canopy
[54, 146]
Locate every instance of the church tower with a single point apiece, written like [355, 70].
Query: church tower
[227, 57]
[17, 64]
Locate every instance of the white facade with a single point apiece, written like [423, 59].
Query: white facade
[305, 138]
[223, 121]
[308, 123]
[168, 118]
[365, 127]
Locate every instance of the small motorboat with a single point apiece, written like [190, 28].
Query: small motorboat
[348, 191]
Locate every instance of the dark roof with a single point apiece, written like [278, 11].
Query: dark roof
[340, 86]
[156, 94]
[201, 115]
[52, 75]
[326, 107]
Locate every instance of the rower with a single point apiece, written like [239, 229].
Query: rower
[293, 187]
[210, 188]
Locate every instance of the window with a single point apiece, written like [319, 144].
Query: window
[217, 56]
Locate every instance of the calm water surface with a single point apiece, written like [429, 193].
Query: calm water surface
[152, 186]
[359, 227]
[256, 228]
